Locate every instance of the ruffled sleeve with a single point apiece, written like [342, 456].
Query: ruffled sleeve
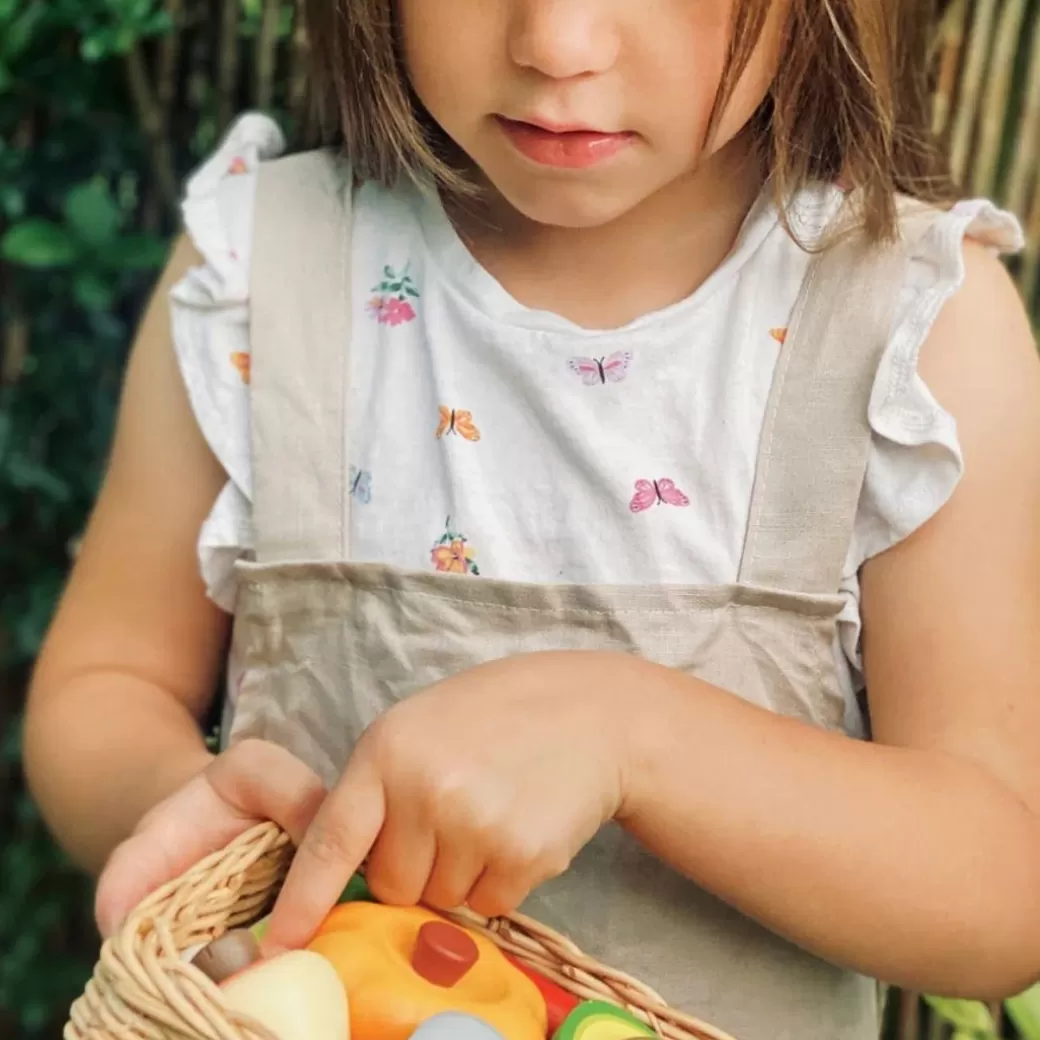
[915, 461]
[210, 325]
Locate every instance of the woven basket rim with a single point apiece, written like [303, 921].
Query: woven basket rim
[143, 989]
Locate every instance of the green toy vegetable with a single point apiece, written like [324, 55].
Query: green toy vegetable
[598, 1020]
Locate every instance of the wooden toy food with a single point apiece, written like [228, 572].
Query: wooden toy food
[451, 1025]
[402, 966]
[297, 995]
[144, 984]
[598, 1020]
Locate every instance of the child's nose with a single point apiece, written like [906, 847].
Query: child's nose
[563, 39]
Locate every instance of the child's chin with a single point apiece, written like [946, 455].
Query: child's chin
[578, 205]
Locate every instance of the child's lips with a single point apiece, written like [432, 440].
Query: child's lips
[563, 147]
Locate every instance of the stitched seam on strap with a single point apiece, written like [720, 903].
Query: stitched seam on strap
[760, 492]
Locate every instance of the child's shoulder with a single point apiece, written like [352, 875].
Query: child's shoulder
[932, 229]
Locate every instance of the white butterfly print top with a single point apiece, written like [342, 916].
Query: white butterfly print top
[493, 440]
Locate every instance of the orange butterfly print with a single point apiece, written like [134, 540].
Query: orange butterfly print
[241, 362]
[454, 420]
[778, 334]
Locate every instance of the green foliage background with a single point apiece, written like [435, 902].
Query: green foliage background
[105, 106]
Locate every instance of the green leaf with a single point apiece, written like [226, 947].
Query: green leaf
[17, 36]
[38, 243]
[12, 198]
[93, 48]
[967, 1016]
[26, 474]
[92, 292]
[411, 292]
[136, 252]
[92, 213]
[1024, 1011]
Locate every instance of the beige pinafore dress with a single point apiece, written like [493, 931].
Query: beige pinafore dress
[324, 645]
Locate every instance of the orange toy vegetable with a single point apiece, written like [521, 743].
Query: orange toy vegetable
[403, 965]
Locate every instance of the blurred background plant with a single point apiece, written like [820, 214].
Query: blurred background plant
[105, 106]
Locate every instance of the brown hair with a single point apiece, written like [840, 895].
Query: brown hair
[850, 101]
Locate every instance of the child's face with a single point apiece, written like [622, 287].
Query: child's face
[640, 76]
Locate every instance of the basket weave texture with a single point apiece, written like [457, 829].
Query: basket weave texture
[143, 989]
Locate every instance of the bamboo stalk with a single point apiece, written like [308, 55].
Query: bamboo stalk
[266, 52]
[997, 1011]
[951, 36]
[995, 106]
[1030, 277]
[15, 349]
[149, 115]
[227, 63]
[1027, 153]
[909, 1016]
[299, 56]
[979, 42]
[169, 59]
[198, 78]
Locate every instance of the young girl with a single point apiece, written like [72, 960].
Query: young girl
[571, 455]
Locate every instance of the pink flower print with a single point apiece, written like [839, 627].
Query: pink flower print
[238, 166]
[452, 554]
[392, 303]
[397, 312]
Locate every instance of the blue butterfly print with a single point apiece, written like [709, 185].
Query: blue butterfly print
[361, 485]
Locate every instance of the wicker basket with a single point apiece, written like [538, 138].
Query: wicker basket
[142, 988]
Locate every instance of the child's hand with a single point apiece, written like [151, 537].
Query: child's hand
[474, 791]
[252, 782]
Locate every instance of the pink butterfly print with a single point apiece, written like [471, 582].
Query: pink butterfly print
[655, 492]
[601, 370]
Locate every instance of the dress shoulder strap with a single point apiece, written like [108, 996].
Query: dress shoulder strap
[300, 330]
[816, 436]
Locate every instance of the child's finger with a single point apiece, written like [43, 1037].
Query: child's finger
[264, 781]
[500, 890]
[251, 782]
[339, 838]
[456, 870]
[180, 832]
[401, 859]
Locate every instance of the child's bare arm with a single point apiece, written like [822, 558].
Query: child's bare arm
[917, 857]
[131, 661]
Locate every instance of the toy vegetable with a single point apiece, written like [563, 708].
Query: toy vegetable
[598, 1020]
[403, 965]
[297, 995]
[558, 1002]
[454, 1026]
